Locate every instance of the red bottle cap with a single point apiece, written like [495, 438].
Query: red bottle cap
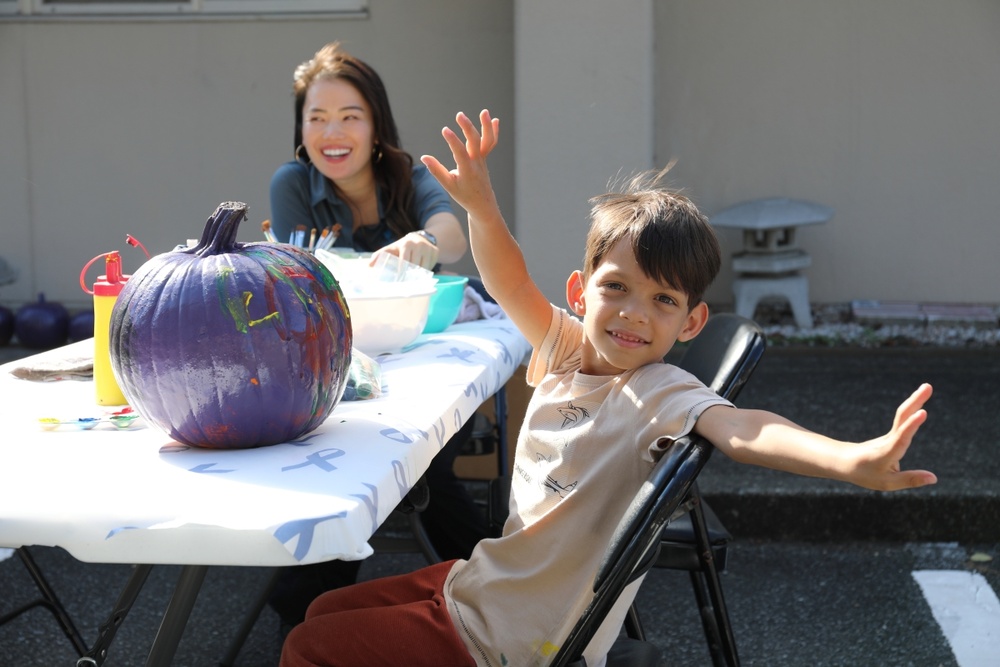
[113, 281]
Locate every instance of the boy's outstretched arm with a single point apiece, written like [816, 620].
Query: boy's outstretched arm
[765, 439]
[498, 257]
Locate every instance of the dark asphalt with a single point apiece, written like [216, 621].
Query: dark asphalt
[792, 604]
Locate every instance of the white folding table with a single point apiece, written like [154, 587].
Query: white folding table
[111, 495]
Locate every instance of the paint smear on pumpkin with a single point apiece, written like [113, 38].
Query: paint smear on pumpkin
[239, 310]
[246, 309]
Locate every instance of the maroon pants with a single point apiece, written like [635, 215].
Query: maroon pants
[380, 623]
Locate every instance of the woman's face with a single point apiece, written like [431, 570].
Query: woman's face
[338, 131]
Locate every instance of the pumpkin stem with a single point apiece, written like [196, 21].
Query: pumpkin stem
[220, 230]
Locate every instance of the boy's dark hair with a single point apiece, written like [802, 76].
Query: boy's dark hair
[671, 239]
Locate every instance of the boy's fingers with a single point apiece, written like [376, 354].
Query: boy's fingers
[472, 138]
[490, 127]
[911, 405]
[912, 422]
[438, 170]
[911, 479]
[488, 146]
[455, 144]
[902, 437]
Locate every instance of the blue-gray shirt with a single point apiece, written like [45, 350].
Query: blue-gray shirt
[301, 195]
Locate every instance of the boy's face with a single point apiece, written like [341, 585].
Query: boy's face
[630, 319]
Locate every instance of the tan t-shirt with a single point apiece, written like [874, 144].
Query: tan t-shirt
[587, 445]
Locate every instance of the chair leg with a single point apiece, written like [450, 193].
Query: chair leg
[633, 624]
[706, 612]
[98, 653]
[229, 659]
[49, 600]
[708, 579]
[423, 540]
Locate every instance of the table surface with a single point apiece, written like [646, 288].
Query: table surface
[135, 495]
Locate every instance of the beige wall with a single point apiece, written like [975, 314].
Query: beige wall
[144, 127]
[584, 103]
[883, 109]
[886, 110]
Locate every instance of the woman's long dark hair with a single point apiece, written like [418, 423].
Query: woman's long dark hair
[394, 170]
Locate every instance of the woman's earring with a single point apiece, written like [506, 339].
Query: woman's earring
[377, 153]
[298, 158]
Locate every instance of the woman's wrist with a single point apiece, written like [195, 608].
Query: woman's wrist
[426, 235]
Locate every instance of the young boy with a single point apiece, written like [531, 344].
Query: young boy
[604, 408]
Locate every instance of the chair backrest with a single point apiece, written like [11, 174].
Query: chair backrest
[725, 353]
[722, 356]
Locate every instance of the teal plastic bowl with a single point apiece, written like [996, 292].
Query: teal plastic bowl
[446, 303]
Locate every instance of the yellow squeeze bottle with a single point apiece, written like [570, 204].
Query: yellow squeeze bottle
[106, 291]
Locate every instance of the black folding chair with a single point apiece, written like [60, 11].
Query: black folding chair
[48, 600]
[723, 356]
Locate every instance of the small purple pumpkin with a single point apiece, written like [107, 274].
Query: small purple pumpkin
[81, 325]
[232, 345]
[42, 325]
[6, 325]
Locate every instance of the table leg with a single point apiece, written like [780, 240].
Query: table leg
[176, 616]
[99, 652]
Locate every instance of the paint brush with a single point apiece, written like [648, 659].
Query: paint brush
[321, 242]
[268, 234]
[332, 233]
[312, 240]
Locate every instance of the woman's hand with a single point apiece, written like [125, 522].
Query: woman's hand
[413, 248]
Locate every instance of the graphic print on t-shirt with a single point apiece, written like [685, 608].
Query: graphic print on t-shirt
[572, 414]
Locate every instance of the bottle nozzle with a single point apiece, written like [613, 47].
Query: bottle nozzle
[113, 266]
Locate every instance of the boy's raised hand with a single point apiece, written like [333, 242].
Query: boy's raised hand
[878, 463]
[469, 183]
[498, 257]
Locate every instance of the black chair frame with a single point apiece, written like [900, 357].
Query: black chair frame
[723, 356]
[48, 600]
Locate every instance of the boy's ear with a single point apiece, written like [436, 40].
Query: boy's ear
[574, 293]
[696, 320]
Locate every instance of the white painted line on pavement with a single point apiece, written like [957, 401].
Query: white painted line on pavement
[968, 612]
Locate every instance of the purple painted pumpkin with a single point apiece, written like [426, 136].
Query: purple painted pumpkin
[232, 345]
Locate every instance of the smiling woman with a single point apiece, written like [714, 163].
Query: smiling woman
[350, 175]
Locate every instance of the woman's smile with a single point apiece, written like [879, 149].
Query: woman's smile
[336, 153]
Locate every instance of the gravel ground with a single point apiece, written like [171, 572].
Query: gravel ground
[836, 326]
